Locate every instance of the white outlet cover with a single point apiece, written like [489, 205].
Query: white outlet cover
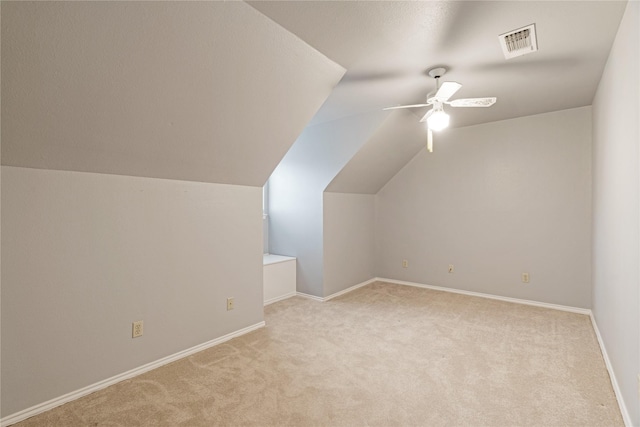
[137, 329]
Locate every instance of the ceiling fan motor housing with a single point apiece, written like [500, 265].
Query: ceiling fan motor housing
[436, 73]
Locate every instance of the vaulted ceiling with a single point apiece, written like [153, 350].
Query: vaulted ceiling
[387, 48]
[200, 91]
[219, 91]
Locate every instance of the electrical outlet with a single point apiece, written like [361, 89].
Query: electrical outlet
[137, 329]
[405, 263]
[230, 304]
[525, 277]
[450, 268]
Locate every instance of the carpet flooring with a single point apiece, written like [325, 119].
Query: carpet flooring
[382, 355]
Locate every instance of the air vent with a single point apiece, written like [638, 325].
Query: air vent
[519, 42]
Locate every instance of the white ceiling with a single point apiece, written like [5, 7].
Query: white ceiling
[219, 91]
[388, 46]
[395, 142]
[200, 91]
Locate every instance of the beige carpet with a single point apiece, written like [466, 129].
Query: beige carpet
[383, 355]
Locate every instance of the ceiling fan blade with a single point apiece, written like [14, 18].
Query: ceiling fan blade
[426, 116]
[447, 90]
[406, 106]
[473, 102]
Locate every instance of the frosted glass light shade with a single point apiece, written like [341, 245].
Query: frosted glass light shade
[438, 120]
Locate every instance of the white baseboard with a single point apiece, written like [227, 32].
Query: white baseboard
[43, 407]
[623, 409]
[37, 409]
[614, 382]
[280, 298]
[309, 296]
[352, 288]
[570, 309]
[337, 294]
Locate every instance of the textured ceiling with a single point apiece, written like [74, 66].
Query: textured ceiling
[200, 91]
[387, 47]
[219, 91]
[396, 141]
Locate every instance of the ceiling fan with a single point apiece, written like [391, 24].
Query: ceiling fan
[436, 118]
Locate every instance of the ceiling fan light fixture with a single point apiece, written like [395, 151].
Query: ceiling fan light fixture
[438, 120]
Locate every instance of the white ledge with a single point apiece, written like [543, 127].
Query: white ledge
[274, 259]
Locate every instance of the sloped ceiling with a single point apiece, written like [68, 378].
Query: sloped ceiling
[323, 150]
[387, 48]
[219, 91]
[395, 142]
[202, 91]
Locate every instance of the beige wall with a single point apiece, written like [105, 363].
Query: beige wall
[296, 192]
[84, 255]
[349, 240]
[495, 200]
[616, 208]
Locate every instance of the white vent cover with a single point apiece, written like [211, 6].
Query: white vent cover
[519, 42]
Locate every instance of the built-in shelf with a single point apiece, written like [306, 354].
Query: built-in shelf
[268, 259]
[279, 277]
